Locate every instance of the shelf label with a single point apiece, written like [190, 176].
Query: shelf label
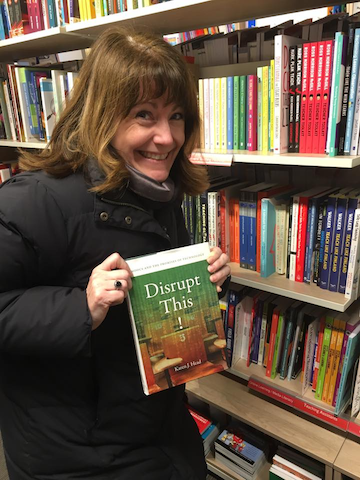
[354, 428]
[217, 159]
[272, 392]
[323, 415]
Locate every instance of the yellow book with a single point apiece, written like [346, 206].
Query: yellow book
[272, 88]
[223, 115]
[92, 11]
[217, 110]
[201, 112]
[82, 10]
[212, 113]
[330, 360]
[99, 8]
[335, 366]
[265, 109]
[147, 3]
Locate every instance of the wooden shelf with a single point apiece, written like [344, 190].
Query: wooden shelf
[168, 17]
[227, 474]
[238, 401]
[348, 459]
[280, 285]
[13, 143]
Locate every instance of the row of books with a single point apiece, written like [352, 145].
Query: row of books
[288, 464]
[310, 236]
[208, 429]
[22, 17]
[291, 339]
[31, 100]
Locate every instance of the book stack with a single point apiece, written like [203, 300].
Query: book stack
[288, 464]
[291, 339]
[310, 236]
[240, 450]
[208, 430]
[22, 17]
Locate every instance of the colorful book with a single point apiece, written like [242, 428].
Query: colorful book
[173, 306]
[329, 320]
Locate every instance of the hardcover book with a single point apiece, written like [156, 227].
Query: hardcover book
[176, 319]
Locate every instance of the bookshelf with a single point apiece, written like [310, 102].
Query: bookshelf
[227, 474]
[339, 455]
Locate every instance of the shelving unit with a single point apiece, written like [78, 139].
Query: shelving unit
[227, 474]
[280, 285]
[348, 461]
[16, 144]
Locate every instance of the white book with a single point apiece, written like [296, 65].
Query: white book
[217, 113]
[223, 108]
[212, 112]
[211, 218]
[247, 323]
[9, 110]
[47, 101]
[293, 243]
[355, 407]
[206, 114]
[279, 461]
[281, 238]
[282, 43]
[71, 77]
[352, 278]
[312, 331]
[239, 331]
[56, 79]
[201, 112]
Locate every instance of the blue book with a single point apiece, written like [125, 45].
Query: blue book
[346, 244]
[230, 113]
[339, 229]
[234, 298]
[328, 236]
[52, 13]
[345, 387]
[307, 244]
[34, 124]
[268, 229]
[243, 230]
[252, 231]
[6, 19]
[352, 93]
[2, 27]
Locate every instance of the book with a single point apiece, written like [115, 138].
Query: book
[173, 307]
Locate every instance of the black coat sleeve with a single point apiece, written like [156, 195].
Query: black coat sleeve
[38, 316]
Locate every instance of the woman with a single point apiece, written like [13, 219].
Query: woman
[108, 188]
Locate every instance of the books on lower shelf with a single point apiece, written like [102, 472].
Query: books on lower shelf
[175, 316]
[208, 430]
[289, 464]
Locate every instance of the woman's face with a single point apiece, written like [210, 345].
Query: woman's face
[150, 137]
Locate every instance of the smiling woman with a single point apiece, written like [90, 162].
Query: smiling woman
[108, 188]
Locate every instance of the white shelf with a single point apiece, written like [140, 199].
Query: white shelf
[14, 143]
[280, 285]
[168, 17]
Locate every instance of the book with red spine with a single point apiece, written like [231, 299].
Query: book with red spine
[311, 96]
[232, 204]
[37, 14]
[252, 118]
[304, 97]
[237, 233]
[325, 97]
[202, 422]
[318, 94]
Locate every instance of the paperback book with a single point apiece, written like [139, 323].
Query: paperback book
[176, 319]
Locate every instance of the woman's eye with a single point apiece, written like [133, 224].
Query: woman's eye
[178, 116]
[143, 114]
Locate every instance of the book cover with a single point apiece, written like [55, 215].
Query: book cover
[313, 64]
[345, 248]
[292, 86]
[325, 96]
[236, 112]
[304, 97]
[173, 308]
[298, 83]
[252, 116]
[318, 91]
[352, 278]
[329, 320]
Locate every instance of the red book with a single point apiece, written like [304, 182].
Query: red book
[273, 332]
[318, 92]
[232, 203]
[325, 97]
[311, 96]
[252, 116]
[304, 97]
[202, 422]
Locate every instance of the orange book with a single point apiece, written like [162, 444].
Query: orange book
[318, 353]
[335, 366]
[330, 360]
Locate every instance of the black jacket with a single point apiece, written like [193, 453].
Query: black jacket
[71, 400]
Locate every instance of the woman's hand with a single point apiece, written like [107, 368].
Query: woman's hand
[102, 291]
[218, 267]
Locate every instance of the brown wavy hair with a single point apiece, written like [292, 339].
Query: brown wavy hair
[123, 68]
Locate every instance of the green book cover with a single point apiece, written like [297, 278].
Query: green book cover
[242, 116]
[324, 354]
[277, 348]
[236, 112]
[176, 319]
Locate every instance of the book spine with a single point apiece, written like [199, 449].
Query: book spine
[294, 233]
[242, 115]
[292, 86]
[206, 110]
[325, 103]
[236, 112]
[311, 243]
[243, 238]
[301, 239]
[277, 346]
[259, 108]
[337, 243]
[304, 96]
[217, 113]
[223, 113]
[324, 355]
[345, 253]
[318, 354]
[341, 363]
[265, 104]
[252, 206]
[350, 82]
[298, 84]
[311, 96]
[329, 230]
[230, 113]
[262, 334]
[271, 105]
[335, 366]
[237, 233]
[212, 112]
[317, 98]
[319, 243]
[307, 246]
[274, 328]
[352, 274]
[252, 118]
[330, 360]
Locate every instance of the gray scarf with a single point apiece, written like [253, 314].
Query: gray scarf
[151, 189]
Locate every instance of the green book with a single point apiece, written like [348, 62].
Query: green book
[236, 112]
[4, 112]
[174, 311]
[329, 320]
[278, 341]
[242, 115]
